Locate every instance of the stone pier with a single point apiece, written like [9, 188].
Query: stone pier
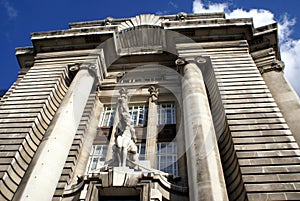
[53, 151]
[205, 177]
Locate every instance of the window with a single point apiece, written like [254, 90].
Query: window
[130, 80]
[151, 79]
[166, 113]
[166, 158]
[98, 154]
[108, 116]
[141, 150]
[138, 114]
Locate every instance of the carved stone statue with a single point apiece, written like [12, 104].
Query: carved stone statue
[125, 137]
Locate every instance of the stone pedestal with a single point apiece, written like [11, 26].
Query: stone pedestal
[145, 163]
[119, 175]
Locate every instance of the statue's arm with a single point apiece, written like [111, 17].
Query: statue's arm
[133, 136]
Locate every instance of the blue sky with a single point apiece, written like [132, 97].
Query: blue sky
[19, 18]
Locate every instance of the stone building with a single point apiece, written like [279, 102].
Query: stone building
[210, 114]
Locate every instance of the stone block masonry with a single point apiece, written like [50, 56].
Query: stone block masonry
[25, 115]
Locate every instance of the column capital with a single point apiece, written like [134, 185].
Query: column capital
[196, 60]
[153, 90]
[180, 62]
[88, 66]
[200, 60]
[74, 67]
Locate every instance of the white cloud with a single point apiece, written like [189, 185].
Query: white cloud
[199, 7]
[290, 51]
[11, 11]
[285, 28]
[260, 16]
[290, 48]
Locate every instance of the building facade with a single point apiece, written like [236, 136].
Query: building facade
[177, 107]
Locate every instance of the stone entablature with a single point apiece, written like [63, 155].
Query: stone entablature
[90, 34]
[266, 61]
[116, 21]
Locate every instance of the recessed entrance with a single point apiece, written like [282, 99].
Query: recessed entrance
[119, 193]
[119, 198]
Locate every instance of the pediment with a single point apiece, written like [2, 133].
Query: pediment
[142, 20]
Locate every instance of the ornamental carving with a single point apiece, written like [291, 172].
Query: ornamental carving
[153, 90]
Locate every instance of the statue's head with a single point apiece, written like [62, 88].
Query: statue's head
[123, 92]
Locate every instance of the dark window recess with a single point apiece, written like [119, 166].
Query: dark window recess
[166, 132]
[103, 135]
[119, 198]
[93, 39]
[187, 32]
[116, 194]
[257, 40]
[141, 133]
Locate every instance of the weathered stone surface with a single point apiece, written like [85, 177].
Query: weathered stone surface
[199, 131]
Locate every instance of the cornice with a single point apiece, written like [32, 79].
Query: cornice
[117, 21]
[198, 27]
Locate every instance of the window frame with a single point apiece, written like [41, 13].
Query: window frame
[141, 111]
[95, 158]
[163, 109]
[141, 150]
[163, 154]
[108, 116]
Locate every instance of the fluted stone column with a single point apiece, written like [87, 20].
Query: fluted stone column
[152, 130]
[205, 175]
[287, 100]
[52, 153]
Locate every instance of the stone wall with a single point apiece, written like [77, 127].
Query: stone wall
[266, 149]
[26, 112]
